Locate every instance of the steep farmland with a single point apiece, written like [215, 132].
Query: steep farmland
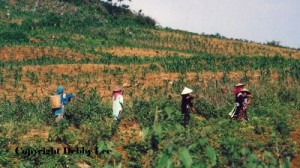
[90, 46]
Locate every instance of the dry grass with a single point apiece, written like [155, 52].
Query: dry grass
[140, 52]
[86, 76]
[19, 53]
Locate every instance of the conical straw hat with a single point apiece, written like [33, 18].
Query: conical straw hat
[186, 91]
[240, 84]
[116, 88]
[245, 90]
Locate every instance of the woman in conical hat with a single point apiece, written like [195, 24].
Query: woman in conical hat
[243, 113]
[186, 91]
[117, 101]
[238, 97]
[186, 104]
[238, 88]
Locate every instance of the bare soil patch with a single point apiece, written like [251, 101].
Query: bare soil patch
[42, 133]
[19, 53]
[140, 52]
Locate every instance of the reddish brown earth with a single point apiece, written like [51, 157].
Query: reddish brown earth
[42, 133]
[19, 53]
[140, 52]
[86, 76]
[295, 135]
[128, 132]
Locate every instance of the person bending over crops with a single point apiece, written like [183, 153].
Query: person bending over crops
[186, 105]
[238, 101]
[58, 102]
[246, 94]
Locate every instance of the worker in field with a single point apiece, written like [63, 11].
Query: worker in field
[117, 102]
[238, 101]
[59, 101]
[247, 100]
[186, 105]
[118, 105]
[238, 88]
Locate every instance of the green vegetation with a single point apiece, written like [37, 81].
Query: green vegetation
[197, 63]
[51, 43]
[214, 141]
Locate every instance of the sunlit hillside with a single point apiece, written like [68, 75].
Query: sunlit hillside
[88, 47]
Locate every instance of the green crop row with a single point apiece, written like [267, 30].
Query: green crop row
[197, 63]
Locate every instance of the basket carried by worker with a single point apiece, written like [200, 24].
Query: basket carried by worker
[250, 99]
[55, 101]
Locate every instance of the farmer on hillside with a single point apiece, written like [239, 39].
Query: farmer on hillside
[246, 94]
[60, 99]
[238, 101]
[186, 105]
[117, 102]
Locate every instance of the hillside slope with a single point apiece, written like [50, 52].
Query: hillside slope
[90, 46]
[100, 28]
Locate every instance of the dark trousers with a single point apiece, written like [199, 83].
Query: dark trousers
[237, 112]
[186, 118]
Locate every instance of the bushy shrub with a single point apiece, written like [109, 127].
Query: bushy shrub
[145, 21]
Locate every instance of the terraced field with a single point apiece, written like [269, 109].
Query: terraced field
[89, 48]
